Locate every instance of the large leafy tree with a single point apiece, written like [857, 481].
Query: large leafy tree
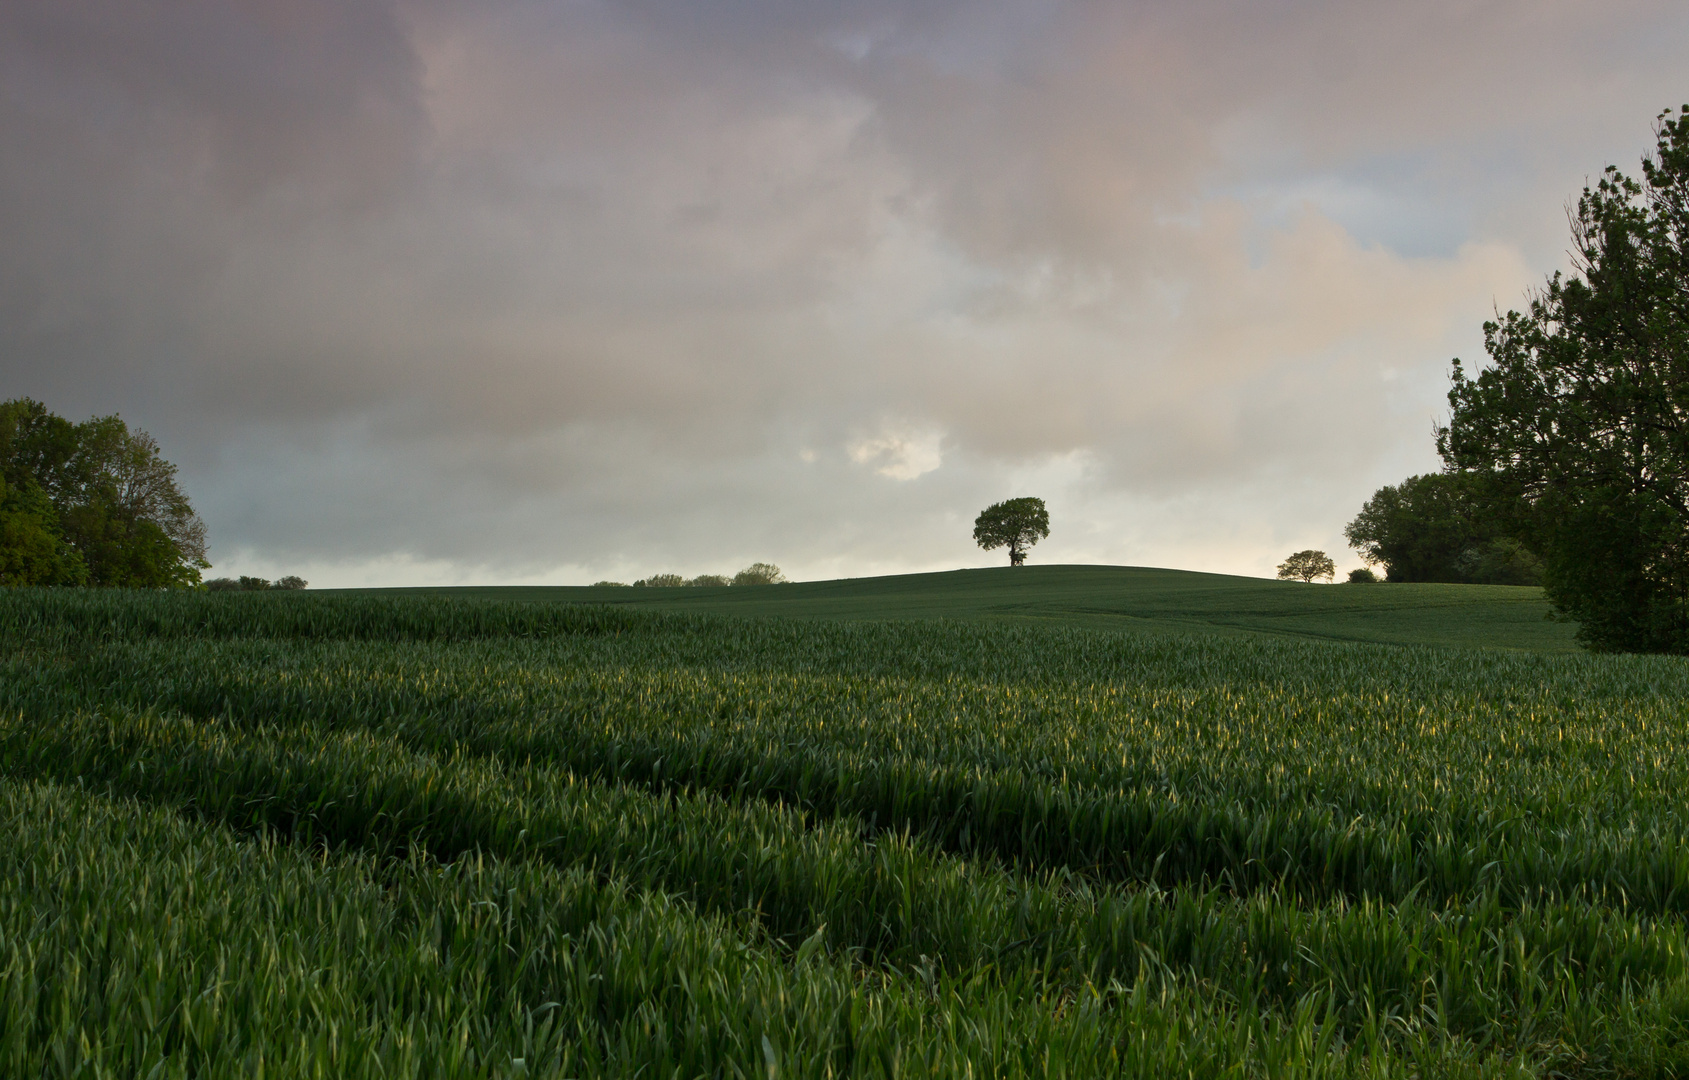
[91, 503]
[1582, 417]
[33, 550]
[1016, 524]
[35, 448]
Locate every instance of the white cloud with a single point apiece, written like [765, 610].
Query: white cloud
[900, 451]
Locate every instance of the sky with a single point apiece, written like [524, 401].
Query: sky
[435, 292]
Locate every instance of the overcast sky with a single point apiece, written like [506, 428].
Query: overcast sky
[472, 292]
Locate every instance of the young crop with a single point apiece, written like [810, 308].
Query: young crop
[364, 835]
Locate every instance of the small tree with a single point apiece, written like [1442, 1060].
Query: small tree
[291, 581]
[660, 581]
[1307, 565]
[710, 580]
[759, 573]
[1014, 523]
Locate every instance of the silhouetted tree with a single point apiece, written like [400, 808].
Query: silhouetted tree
[1014, 523]
[1307, 565]
[1441, 527]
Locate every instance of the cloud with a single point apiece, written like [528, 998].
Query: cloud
[530, 291]
[899, 450]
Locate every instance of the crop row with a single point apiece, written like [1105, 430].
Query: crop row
[59, 617]
[1022, 654]
[135, 943]
[312, 835]
[1332, 794]
[1475, 971]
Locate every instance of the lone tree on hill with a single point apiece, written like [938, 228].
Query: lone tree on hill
[1577, 431]
[1307, 565]
[1015, 523]
[760, 573]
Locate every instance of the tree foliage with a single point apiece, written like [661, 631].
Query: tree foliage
[291, 582]
[1441, 527]
[91, 503]
[33, 550]
[1014, 523]
[1582, 417]
[1307, 566]
[759, 573]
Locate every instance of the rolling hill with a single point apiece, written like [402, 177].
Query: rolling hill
[1125, 598]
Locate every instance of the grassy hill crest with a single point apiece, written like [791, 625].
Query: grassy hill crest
[1128, 598]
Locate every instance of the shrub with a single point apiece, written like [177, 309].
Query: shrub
[660, 581]
[610, 584]
[291, 581]
[1362, 576]
[711, 580]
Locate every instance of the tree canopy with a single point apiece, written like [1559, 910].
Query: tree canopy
[759, 573]
[1306, 566]
[91, 503]
[1440, 527]
[244, 583]
[1580, 423]
[1014, 523]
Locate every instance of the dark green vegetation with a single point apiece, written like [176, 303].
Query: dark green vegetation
[247, 583]
[1129, 598]
[358, 836]
[90, 504]
[1573, 443]
[1443, 527]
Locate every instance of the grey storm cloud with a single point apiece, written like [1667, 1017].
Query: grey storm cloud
[555, 291]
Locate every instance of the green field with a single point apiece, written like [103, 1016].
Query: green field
[1126, 598]
[420, 835]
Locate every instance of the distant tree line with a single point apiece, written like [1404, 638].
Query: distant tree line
[255, 584]
[1444, 527]
[759, 573]
[1566, 459]
[91, 504]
